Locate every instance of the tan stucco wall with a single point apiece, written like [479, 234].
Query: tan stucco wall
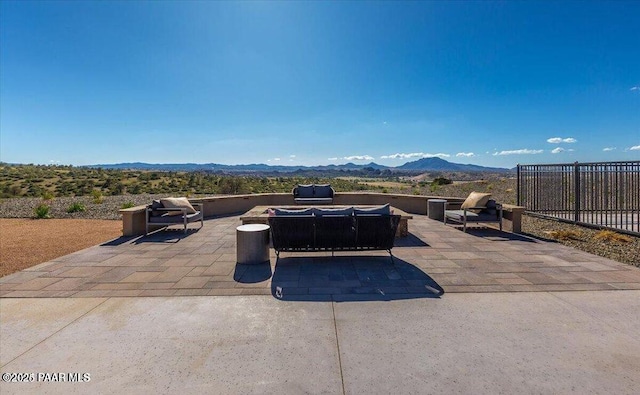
[133, 219]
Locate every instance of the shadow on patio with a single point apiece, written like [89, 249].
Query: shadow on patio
[348, 278]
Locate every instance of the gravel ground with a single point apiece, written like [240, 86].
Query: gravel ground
[582, 238]
[28, 242]
[108, 209]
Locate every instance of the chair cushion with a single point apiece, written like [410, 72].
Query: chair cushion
[491, 208]
[458, 215]
[476, 199]
[181, 202]
[304, 191]
[319, 212]
[155, 205]
[174, 219]
[382, 210]
[322, 191]
[285, 212]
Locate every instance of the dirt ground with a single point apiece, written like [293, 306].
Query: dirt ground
[28, 242]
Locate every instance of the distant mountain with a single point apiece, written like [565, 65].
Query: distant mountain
[424, 164]
[439, 164]
[254, 167]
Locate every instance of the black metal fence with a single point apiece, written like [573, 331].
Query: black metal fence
[602, 195]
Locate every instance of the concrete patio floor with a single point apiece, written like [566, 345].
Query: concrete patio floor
[524, 343]
[434, 259]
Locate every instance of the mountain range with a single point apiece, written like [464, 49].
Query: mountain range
[423, 164]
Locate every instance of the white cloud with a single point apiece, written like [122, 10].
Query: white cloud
[635, 148]
[332, 159]
[358, 157]
[608, 149]
[635, 88]
[292, 156]
[466, 154]
[519, 152]
[414, 155]
[558, 140]
[276, 159]
[557, 150]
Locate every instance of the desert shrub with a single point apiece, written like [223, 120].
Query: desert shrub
[127, 205]
[441, 181]
[42, 211]
[47, 195]
[565, 234]
[76, 207]
[97, 196]
[613, 237]
[385, 190]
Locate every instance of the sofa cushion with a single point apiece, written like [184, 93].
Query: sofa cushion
[382, 210]
[322, 191]
[319, 212]
[304, 191]
[181, 202]
[476, 199]
[284, 212]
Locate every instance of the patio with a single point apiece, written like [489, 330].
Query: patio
[434, 259]
[121, 312]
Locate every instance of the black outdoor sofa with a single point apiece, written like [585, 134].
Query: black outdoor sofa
[313, 194]
[358, 232]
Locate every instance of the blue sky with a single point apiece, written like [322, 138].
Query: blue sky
[305, 83]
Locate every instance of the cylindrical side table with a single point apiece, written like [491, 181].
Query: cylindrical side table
[435, 209]
[252, 243]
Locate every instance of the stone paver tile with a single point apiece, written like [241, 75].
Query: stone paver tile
[177, 261]
[192, 282]
[172, 274]
[539, 278]
[70, 284]
[514, 281]
[158, 292]
[140, 277]
[95, 293]
[202, 260]
[191, 292]
[33, 285]
[228, 257]
[154, 285]
[595, 266]
[575, 287]
[197, 271]
[114, 275]
[125, 292]
[220, 268]
[625, 285]
[459, 255]
[475, 288]
[20, 277]
[116, 286]
[84, 271]
[220, 284]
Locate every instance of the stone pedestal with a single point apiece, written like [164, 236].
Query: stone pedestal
[252, 243]
[435, 209]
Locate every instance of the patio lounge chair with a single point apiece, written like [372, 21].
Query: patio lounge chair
[476, 209]
[173, 211]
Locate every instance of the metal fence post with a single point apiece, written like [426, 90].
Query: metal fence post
[518, 184]
[576, 183]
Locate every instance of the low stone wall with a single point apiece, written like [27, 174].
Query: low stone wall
[133, 219]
